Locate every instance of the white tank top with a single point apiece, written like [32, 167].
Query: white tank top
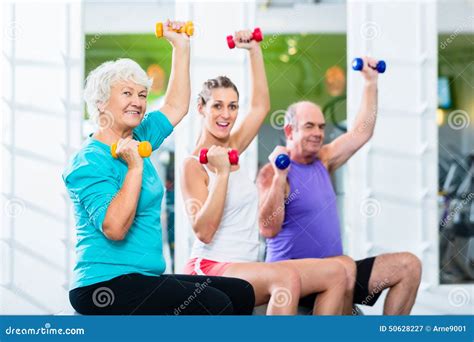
[236, 238]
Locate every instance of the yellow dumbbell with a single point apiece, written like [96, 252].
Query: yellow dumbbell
[188, 28]
[144, 149]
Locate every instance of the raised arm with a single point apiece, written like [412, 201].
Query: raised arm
[272, 188]
[205, 207]
[260, 96]
[177, 97]
[344, 147]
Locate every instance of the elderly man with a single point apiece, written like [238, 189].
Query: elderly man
[298, 213]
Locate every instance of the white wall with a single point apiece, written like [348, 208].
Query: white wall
[455, 15]
[42, 75]
[119, 16]
[101, 16]
[303, 18]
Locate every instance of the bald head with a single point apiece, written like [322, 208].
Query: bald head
[297, 110]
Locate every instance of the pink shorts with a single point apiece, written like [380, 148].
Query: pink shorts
[199, 266]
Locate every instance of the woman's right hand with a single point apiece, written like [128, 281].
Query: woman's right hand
[218, 159]
[127, 150]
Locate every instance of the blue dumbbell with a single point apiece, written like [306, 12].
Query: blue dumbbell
[358, 65]
[282, 161]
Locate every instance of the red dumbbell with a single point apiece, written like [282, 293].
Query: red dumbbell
[233, 156]
[256, 35]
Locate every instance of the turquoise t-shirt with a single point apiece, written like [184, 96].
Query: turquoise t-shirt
[93, 177]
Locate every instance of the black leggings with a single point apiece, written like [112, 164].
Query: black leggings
[168, 294]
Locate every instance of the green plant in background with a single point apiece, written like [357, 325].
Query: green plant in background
[296, 68]
[455, 56]
[295, 64]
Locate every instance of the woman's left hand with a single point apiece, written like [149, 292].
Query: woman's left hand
[175, 38]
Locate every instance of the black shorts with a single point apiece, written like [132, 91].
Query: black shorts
[167, 294]
[361, 288]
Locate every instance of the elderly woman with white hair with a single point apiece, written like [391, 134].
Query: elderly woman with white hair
[117, 201]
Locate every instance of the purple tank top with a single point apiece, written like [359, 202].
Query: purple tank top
[311, 226]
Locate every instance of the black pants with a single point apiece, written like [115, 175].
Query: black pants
[361, 287]
[168, 294]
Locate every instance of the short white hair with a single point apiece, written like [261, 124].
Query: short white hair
[290, 115]
[100, 81]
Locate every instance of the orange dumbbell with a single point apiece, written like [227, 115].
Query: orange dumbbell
[188, 28]
[144, 149]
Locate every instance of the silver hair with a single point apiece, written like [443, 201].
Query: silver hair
[100, 81]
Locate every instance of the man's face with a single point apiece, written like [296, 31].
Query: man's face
[307, 136]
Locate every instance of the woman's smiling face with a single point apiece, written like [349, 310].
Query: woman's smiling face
[220, 112]
[127, 104]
